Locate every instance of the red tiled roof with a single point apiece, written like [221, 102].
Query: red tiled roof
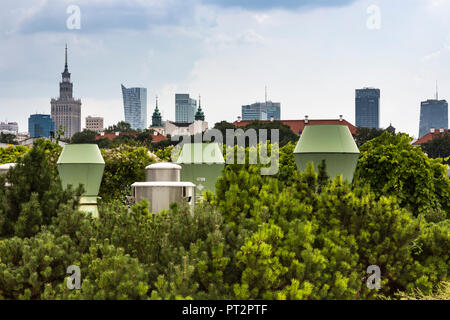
[430, 136]
[158, 138]
[299, 125]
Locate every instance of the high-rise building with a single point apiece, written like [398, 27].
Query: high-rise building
[433, 115]
[185, 108]
[262, 111]
[66, 111]
[41, 126]
[9, 127]
[367, 108]
[94, 124]
[135, 106]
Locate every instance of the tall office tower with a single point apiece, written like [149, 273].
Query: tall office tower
[66, 111]
[433, 114]
[367, 108]
[185, 108]
[94, 124]
[40, 126]
[156, 117]
[262, 111]
[135, 106]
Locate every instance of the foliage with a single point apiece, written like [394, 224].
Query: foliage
[27, 265]
[165, 154]
[121, 126]
[33, 197]
[286, 135]
[392, 166]
[287, 236]
[295, 258]
[223, 126]
[441, 293]
[438, 147]
[108, 273]
[366, 134]
[103, 143]
[145, 137]
[7, 138]
[85, 136]
[124, 165]
[12, 154]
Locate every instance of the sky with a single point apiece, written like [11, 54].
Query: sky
[311, 55]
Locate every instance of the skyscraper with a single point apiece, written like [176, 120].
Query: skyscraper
[66, 111]
[40, 126]
[262, 111]
[185, 108]
[433, 114]
[367, 108]
[135, 106]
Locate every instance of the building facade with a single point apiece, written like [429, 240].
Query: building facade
[66, 111]
[367, 108]
[185, 108]
[433, 115]
[94, 124]
[41, 126]
[262, 111]
[9, 127]
[135, 107]
[184, 128]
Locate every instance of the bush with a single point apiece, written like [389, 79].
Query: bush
[34, 195]
[288, 236]
[392, 166]
[123, 166]
[12, 154]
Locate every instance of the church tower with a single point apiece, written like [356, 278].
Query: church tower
[199, 115]
[66, 111]
[156, 117]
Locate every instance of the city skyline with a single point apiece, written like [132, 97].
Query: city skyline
[311, 57]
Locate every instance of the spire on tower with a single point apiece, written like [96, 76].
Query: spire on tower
[265, 88]
[199, 115]
[437, 92]
[65, 66]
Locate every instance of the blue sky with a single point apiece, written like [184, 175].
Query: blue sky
[312, 55]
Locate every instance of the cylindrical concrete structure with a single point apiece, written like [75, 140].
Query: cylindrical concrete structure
[163, 171]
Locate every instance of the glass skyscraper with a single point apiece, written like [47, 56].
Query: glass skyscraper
[262, 111]
[40, 126]
[433, 114]
[367, 108]
[135, 106]
[185, 108]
